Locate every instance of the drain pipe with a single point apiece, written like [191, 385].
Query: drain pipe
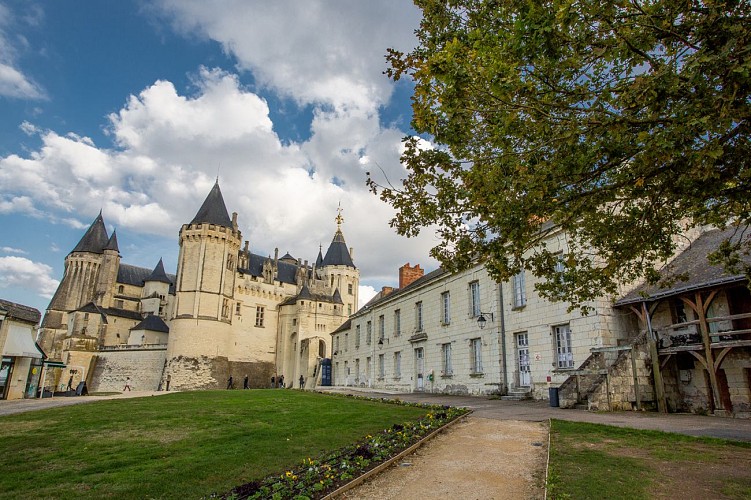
[504, 372]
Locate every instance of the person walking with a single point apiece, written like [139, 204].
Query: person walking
[229, 382]
[127, 384]
[246, 384]
[169, 378]
[281, 381]
[273, 382]
[302, 381]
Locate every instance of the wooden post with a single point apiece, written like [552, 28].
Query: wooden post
[662, 406]
[703, 326]
[636, 379]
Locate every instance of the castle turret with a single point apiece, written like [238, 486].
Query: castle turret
[155, 292]
[339, 270]
[202, 317]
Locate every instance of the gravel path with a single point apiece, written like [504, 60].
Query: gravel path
[478, 458]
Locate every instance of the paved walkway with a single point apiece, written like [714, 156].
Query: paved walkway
[24, 405]
[539, 411]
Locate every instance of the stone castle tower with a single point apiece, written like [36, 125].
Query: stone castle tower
[239, 314]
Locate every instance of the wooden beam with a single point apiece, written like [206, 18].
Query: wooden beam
[656, 371]
[636, 379]
[700, 358]
[709, 299]
[709, 355]
[611, 349]
[721, 357]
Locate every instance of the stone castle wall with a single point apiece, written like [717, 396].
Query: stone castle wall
[144, 367]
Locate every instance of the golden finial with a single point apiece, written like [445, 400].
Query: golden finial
[339, 218]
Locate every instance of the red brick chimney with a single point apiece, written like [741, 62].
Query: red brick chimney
[409, 274]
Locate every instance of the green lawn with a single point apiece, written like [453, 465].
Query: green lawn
[181, 445]
[591, 461]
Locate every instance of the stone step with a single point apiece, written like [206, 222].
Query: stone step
[515, 397]
[581, 406]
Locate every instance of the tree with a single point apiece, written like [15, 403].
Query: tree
[624, 123]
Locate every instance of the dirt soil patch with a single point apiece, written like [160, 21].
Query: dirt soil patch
[477, 458]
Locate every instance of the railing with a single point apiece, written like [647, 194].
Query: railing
[679, 336]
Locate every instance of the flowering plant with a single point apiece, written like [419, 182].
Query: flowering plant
[315, 478]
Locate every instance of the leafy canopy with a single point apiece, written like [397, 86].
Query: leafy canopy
[623, 123]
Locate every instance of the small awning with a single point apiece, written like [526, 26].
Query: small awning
[20, 343]
[54, 364]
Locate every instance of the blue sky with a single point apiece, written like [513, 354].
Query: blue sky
[134, 108]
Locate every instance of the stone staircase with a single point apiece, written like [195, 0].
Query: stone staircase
[518, 394]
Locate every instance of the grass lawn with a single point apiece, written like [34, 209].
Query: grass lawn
[181, 445]
[600, 461]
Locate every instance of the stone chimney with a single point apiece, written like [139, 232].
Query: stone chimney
[409, 274]
[386, 290]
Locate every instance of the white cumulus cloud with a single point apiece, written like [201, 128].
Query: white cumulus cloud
[24, 273]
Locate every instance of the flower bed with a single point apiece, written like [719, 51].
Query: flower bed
[315, 478]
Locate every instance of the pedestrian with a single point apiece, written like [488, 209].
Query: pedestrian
[127, 384]
[281, 381]
[246, 385]
[70, 383]
[302, 381]
[169, 378]
[229, 382]
[273, 382]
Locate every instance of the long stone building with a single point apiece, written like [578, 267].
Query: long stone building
[227, 312]
[679, 347]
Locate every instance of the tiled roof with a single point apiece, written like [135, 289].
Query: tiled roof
[378, 299]
[134, 275]
[95, 239]
[338, 253]
[158, 274]
[693, 265]
[213, 210]
[286, 272]
[153, 323]
[112, 243]
[20, 312]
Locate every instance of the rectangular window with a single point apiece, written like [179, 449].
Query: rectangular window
[520, 292]
[357, 337]
[397, 322]
[259, 316]
[446, 360]
[349, 309]
[381, 328]
[397, 364]
[418, 316]
[349, 288]
[475, 358]
[238, 309]
[367, 366]
[474, 299]
[346, 342]
[563, 346]
[225, 308]
[119, 304]
[445, 308]
[357, 371]
[368, 332]
[381, 366]
[336, 343]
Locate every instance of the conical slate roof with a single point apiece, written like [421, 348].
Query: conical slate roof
[213, 210]
[338, 254]
[112, 243]
[158, 274]
[95, 239]
[319, 259]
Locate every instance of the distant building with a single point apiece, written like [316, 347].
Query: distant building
[22, 360]
[226, 312]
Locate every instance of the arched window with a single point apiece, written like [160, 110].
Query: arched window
[321, 348]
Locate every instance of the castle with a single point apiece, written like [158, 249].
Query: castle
[226, 313]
